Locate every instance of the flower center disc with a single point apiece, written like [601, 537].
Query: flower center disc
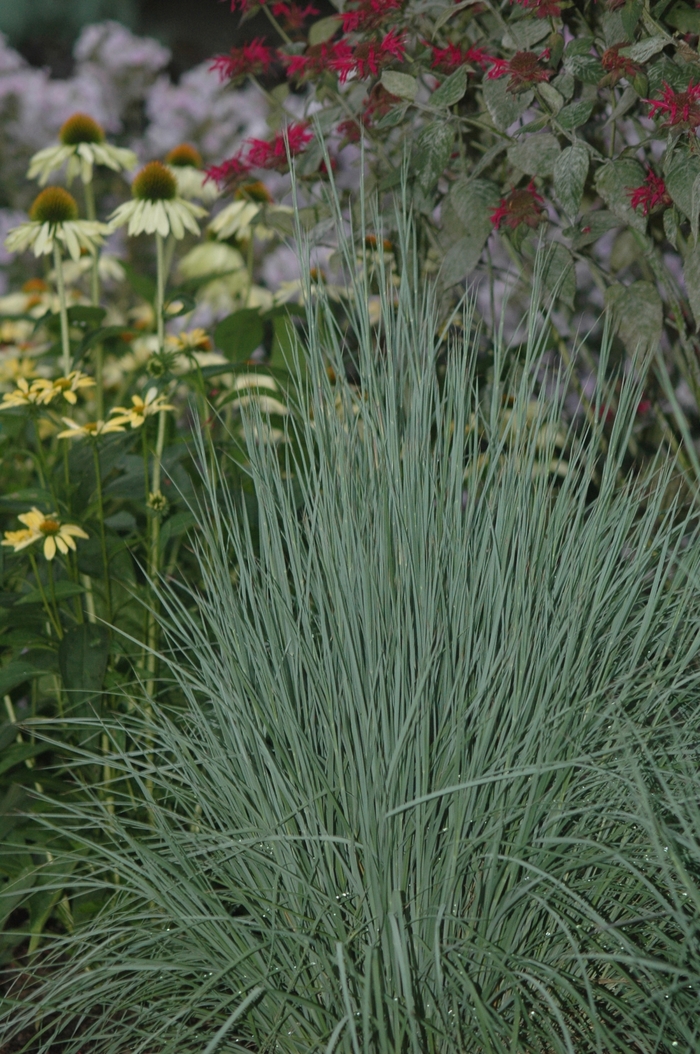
[254, 192]
[185, 156]
[54, 205]
[50, 527]
[154, 183]
[81, 128]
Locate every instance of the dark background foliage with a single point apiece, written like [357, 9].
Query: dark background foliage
[44, 31]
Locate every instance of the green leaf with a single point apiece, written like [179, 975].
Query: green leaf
[535, 155]
[175, 526]
[691, 274]
[473, 202]
[553, 97]
[451, 90]
[590, 228]
[401, 84]
[461, 259]
[630, 15]
[684, 18]
[433, 152]
[18, 753]
[524, 32]
[613, 182]
[63, 590]
[559, 274]
[239, 334]
[570, 172]
[82, 660]
[85, 316]
[671, 227]
[142, 285]
[16, 673]
[575, 114]
[637, 314]
[505, 107]
[644, 49]
[324, 29]
[586, 68]
[681, 171]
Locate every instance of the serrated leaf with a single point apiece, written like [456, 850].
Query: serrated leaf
[670, 221]
[691, 274]
[451, 90]
[627, 100]
[575, 114]
[505, 107]
[684, 18]
[535, 155]
[553, 98]
[637, 314]
[681, 172]
[473, 201]
[591, 227]
[523, 33]
[461, 259]
[614, 180]
[324, 29]
[570, 172]
[559, 274]
[401, 84]
[644, 49]
[433, 152]
[630, 15]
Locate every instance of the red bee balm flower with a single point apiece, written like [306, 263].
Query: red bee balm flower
[520, 206]
[617, 65]
[273, 154]
[650, 195]
[524, 69]
[293, 15]
[369, 15]
[253, 58]
[541, 8]
[683, 107]
[445, 60]
[259, 153]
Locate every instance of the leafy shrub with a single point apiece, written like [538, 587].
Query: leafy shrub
[433, 786]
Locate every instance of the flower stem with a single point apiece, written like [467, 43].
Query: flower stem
[45, 600]
[103, 536]
[160, 291]
[92, 216]
[65, 337]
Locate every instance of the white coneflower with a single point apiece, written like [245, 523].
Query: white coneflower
[185, 162]
[238, 220]
[53, 223]
[82, 144]
[156, 207]
[53, 220]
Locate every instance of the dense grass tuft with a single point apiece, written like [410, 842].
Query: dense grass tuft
[435, 785]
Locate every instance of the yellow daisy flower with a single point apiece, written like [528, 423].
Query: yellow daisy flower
[68, 386]
[57, 536]
[141, 409]
[89, 430]
[189, 340]
[38, 393]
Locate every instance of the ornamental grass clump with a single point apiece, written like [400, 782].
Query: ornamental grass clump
[433, 785]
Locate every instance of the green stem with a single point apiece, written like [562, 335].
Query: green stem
[92, 216]
[160, 291]
[65, 337]
[103, 536]
[45, 600]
